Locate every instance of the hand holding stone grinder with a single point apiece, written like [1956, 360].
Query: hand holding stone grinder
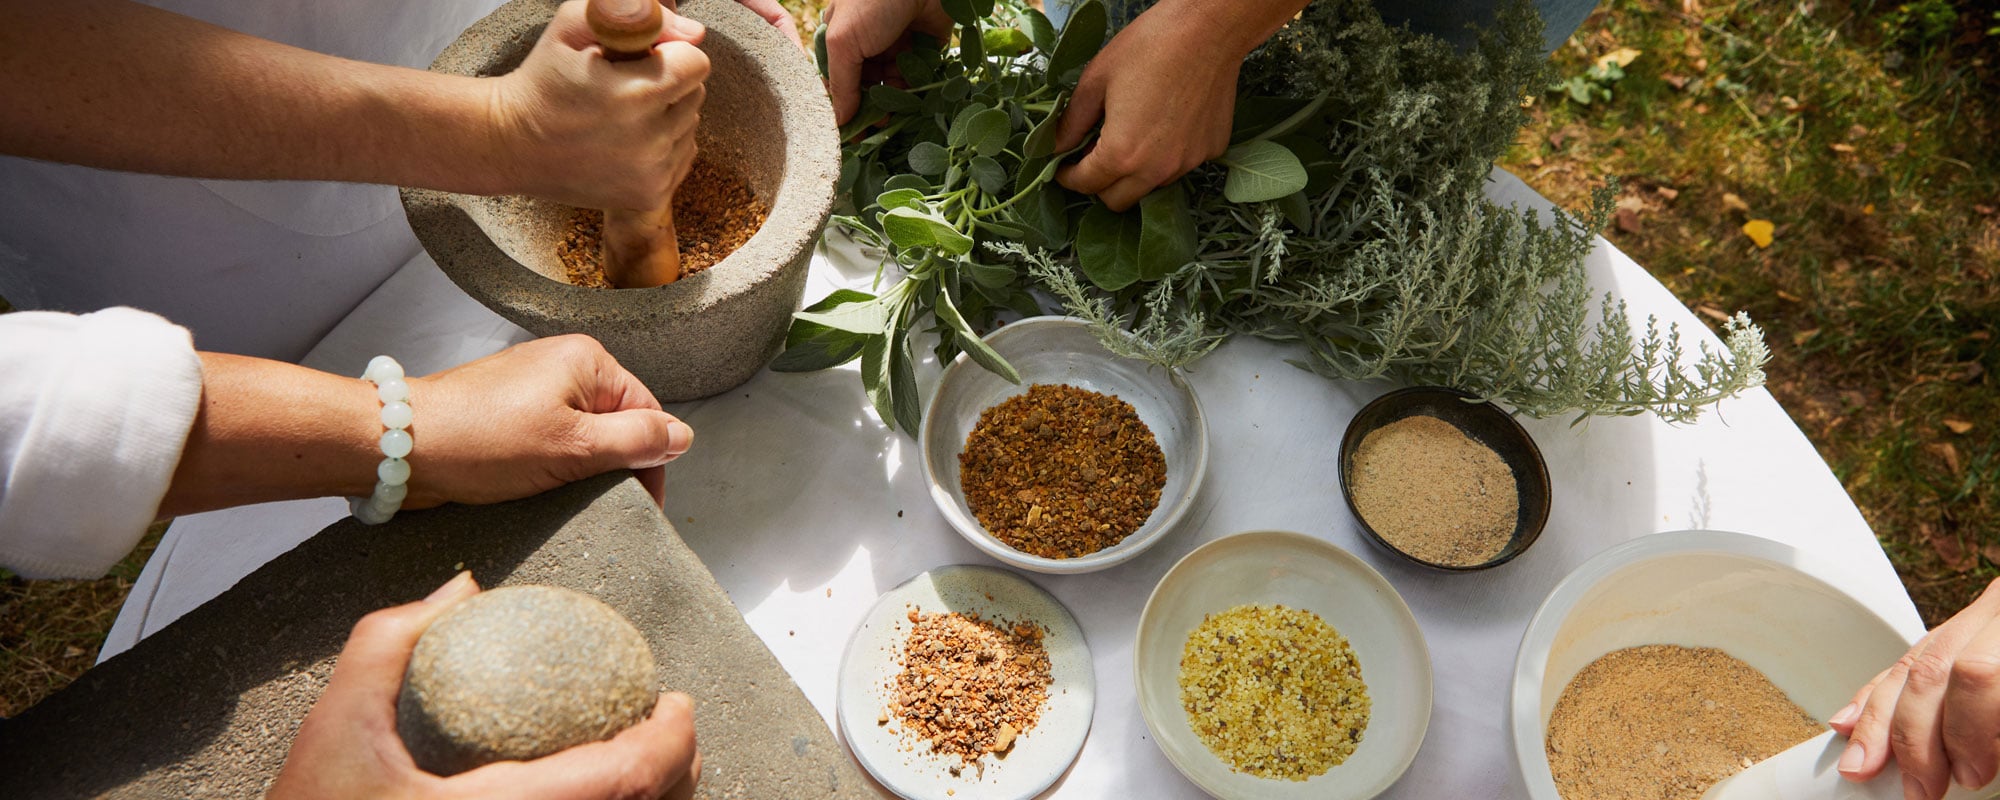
[520, 672]
[640, 248]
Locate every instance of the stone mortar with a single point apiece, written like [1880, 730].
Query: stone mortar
[520, 672]
[766, 116]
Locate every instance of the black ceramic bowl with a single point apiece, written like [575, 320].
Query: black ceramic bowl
[1482, 422]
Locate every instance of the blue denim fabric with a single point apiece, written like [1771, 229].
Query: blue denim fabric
[1445, 19]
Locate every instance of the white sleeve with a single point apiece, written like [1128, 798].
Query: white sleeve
[94, 413]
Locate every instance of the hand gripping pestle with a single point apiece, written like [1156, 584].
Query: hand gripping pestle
[1806, 772]
[640, 248]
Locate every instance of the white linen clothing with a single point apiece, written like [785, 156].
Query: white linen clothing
[97, 409]
[261, 268]
[806, 509]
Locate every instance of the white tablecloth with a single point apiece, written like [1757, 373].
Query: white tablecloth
[806, 508]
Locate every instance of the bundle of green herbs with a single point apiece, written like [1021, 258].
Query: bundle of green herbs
[1348, 216]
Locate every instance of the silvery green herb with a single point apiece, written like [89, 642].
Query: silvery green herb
[1347, 216]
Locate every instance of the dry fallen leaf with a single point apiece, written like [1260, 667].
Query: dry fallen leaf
[1958, 426]
[1799, 339]
[1623, 57]
[1841, 148]
[1732, 202]
[1759, 231]
[1628, 220]
[1949, 549]
[1789, 297]
[1668, 192]
[1712, 312]
[1948, 454]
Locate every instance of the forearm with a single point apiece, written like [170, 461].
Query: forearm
[1238, 26]
[268, 430]
[118, 85]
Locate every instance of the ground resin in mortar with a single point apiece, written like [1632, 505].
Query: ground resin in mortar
[1061, 472]
[714, 213]
[969, 685]
[1663, 722]
[1273, 691]
[1431, 491]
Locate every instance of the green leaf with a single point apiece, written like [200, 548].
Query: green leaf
[989, 131]
[929, 158]
[811, 347]
[991, 276]
[904, 180]
[1299, 117]
[974, 347]
[1296, 210]
[992, 177]
[1261, 171]
[863, 316]
[909, 410]
[961, 12]
[1042, 140]
[902, 198]
[956, 89]
[819, 51]
[916, 66]
[1167, 232]
[910, 228]
[1040, 29]
[875, 378]
[1107, 247]
[1005, 42]
[1003, 229]
[893, 100]
[1082, 37]
[983, 8]
[1047, 214]
[960, 133]
[971, 49]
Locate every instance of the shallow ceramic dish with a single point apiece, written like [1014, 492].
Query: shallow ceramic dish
[1040, 754]
[1484, 423]
[1063, 350]
[1777, 608]
[1299, 571]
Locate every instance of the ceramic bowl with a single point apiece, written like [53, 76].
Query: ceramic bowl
[1298, 571]
[1063, 350]
[1777, 608]
[1482, 422]
[1039, 756]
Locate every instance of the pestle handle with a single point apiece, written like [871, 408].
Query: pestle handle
[1806, 772]
[640, 248]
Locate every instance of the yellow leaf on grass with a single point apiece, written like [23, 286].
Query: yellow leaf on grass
[1759, 231]
[1623, 57]
[1958, 426]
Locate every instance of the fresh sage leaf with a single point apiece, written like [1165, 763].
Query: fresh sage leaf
[916, 66]
[1082, 36]
[989, 131]
[819, 51]
[1167, 235]
[956, 89]
[865, 317]
[991, 177]
[982, 8]
[910, 228]
[1047, 214]
[1107, 247]
[960, 132]
[1288, 124]
[1042, 140]
[929, 158]
[1040, 29]
[909, 410]
[875, 378]
[904, 180]
[975, 347]
[893, 100]
[1261, 171]
[902, 198]
[971, 48]
[810, 347]
[962, 12]
[1296, 210]
[1005, 42]
[991, 276]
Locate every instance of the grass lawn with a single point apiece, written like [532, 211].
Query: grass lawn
[1867, 137]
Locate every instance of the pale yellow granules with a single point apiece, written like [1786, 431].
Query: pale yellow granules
[1431, 491]
[1664, 722]
[1273, 691]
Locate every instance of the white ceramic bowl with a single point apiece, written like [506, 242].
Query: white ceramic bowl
[1775, 607]
[1299, 571]
[1063, 350]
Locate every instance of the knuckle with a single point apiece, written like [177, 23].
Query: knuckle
[378, 624]
[1976, 672]
[1910, 746]
[1929, 670]
[1873, 718]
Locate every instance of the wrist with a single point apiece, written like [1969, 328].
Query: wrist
[1232, 29]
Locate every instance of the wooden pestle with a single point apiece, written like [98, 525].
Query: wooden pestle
[639, 246]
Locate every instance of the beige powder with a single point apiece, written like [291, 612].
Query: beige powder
[1433, 492]
[1664, 722]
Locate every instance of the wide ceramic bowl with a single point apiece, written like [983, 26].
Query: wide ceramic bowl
[1064, 350]
[1482, 422]
[1779, 609]
[1298, 571]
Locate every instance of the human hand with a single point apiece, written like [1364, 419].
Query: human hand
[576, 128]
[1937, 710]
[348, 747]
[777, 16]
[862, 39]
[533, 417]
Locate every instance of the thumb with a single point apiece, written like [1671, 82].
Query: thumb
[371, 665]
[1085, 108]
[635, 438]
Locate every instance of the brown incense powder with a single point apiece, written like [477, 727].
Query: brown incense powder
[969, 685]
[1061, 472]
[1433, 492]
[714, 213]
[1664, 722]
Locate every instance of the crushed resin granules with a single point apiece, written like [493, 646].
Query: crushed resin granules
[714, 213]
[1434, 493]
[1061, 472]
[1664, 722]
[969, 685]
[1273, 691]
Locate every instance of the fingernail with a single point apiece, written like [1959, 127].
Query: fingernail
[1966, 775]
[680, 437]
[1850, 761]
[451, 588]
[1913, 789]
[687, 27]
[1846, 715]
